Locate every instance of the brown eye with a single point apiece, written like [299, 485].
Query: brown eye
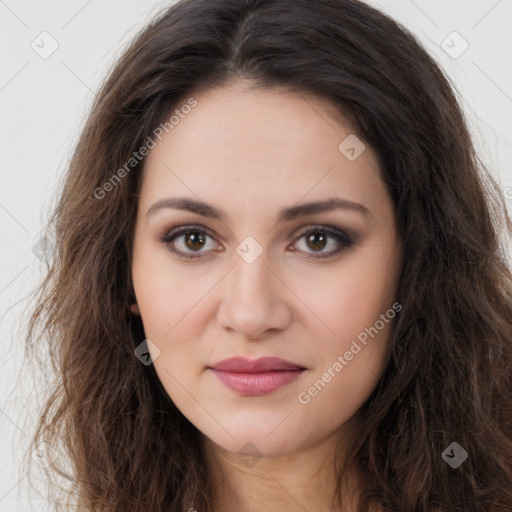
[318, 238]
[195, 240]
[186, 241]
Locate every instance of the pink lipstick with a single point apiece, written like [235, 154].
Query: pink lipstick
[256, 377]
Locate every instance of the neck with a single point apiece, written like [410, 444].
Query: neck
[304, 480]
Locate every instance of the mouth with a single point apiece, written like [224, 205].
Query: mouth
[256, 377]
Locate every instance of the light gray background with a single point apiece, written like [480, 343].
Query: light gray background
[43, 103]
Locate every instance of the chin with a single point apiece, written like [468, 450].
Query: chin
[256, 443]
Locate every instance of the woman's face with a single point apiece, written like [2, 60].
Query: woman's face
[271, 267]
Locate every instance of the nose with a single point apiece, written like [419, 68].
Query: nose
[254, 300]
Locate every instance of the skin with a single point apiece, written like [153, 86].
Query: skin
[252, 153]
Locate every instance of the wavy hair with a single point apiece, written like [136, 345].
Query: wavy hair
[124, 444]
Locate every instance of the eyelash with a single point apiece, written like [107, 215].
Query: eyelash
[340, 237]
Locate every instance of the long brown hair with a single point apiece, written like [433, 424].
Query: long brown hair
[449, 376]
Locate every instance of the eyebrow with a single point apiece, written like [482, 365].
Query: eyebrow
[284, 215]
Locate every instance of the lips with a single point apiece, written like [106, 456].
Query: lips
[264, 364]
[256, 377]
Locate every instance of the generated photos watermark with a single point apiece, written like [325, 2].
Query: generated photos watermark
[150, 143]
[304, 397]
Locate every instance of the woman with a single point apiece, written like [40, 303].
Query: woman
[279, 280]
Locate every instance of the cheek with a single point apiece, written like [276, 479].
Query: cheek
[173, 316]
[349, 369]
[357, 307]
[165, 295]
[351, 298]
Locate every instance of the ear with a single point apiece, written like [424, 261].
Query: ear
[134, 308]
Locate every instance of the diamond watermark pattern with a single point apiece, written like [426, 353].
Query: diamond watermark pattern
[249, 250]
[44, 45]
[351, 147]
[44, 249]
[249, 454]
[455, 455]
[454, 45]
[147, 352]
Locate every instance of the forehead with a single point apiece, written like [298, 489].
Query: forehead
[255, 143]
